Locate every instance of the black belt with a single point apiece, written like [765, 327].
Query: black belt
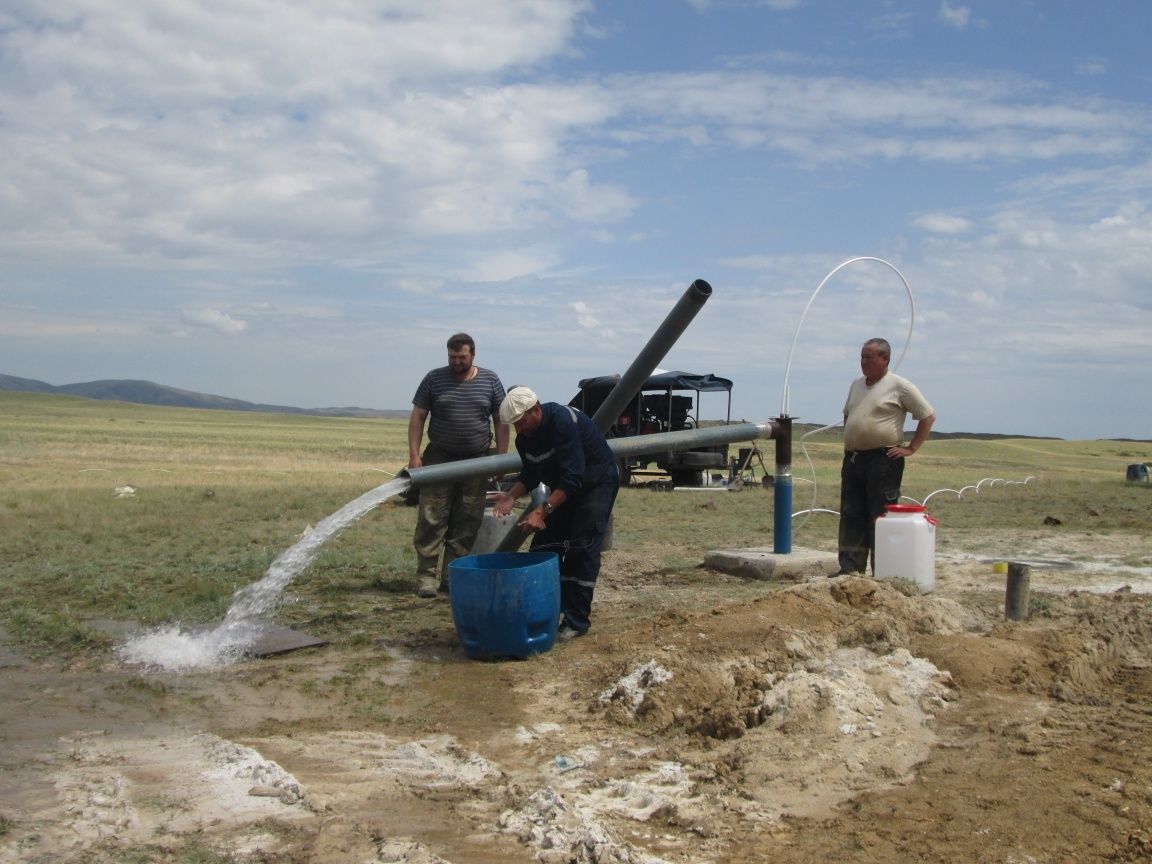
[444, 456]
[851, 455]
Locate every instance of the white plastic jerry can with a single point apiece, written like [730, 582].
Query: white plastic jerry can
[906, 545]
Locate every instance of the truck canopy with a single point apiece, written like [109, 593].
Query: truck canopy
[665, 402]
[593, 391]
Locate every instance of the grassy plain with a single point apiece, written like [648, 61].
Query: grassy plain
[216, 495]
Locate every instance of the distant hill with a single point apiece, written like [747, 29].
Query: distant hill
[150, 393]
[801, 429]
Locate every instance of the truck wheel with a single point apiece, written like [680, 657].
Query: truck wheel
[625, 472]
[689, 478]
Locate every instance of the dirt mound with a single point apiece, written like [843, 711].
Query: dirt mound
[722, 672]
[841, 719]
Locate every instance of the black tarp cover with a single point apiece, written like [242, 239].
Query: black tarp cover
[706, 383]
[593, 391]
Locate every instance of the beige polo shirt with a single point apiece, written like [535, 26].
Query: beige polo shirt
[874, 416]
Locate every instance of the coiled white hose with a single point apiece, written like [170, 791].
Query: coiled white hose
[804, 314]
[792, 350]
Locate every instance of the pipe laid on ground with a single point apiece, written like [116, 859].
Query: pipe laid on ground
[650, 356]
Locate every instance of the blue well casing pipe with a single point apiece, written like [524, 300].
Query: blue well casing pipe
[782, 488]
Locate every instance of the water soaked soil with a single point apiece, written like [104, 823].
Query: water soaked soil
[704, 719]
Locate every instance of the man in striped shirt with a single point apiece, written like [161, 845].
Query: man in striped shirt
[461, 399]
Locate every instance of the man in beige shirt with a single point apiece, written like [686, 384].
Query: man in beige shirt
[874, 452]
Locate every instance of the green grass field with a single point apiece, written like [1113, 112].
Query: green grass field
[219, 494]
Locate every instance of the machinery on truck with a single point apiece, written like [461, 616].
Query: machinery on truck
[667, 402]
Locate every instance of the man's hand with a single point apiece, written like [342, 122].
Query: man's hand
[503, 504]
[534, 521]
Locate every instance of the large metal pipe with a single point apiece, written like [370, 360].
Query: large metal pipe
[629, 385]
[688, 439]
[506, 463]
[623, 393]
[463, 469]
[649, 358]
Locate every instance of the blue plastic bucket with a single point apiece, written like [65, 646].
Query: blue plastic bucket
[505, 604]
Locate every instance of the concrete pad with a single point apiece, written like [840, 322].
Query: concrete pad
[799, 565]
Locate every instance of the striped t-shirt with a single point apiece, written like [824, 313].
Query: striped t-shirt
[460, 412]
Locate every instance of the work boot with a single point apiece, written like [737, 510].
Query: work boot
[566, 633]
[427, 587]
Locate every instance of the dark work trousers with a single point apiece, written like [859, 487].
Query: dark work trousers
[448, 520]
[575, 531]
[869, 481]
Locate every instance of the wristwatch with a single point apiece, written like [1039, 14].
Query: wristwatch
[548, 508]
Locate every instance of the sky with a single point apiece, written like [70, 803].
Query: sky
[298, 203]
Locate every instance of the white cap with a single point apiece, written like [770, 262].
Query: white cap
[516, 404]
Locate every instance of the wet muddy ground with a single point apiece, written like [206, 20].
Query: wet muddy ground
[706, 718]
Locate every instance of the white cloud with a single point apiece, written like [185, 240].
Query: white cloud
[213, 319]
[821, 119]
[587, 320]
[955, 16]
[588, 202]
[508, 264]
[163, 136]
[943, 223]
[186, 131]
[342, 179]
[417, 284]
[22, 324]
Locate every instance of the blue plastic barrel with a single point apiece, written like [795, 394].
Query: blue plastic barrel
[505, 604]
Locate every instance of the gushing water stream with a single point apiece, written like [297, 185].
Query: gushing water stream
[178, 650]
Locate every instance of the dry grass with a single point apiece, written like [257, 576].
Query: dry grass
[219, 494]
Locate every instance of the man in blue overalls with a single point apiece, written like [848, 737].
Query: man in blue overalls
[561, 447]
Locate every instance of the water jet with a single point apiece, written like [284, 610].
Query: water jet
[242, 626]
